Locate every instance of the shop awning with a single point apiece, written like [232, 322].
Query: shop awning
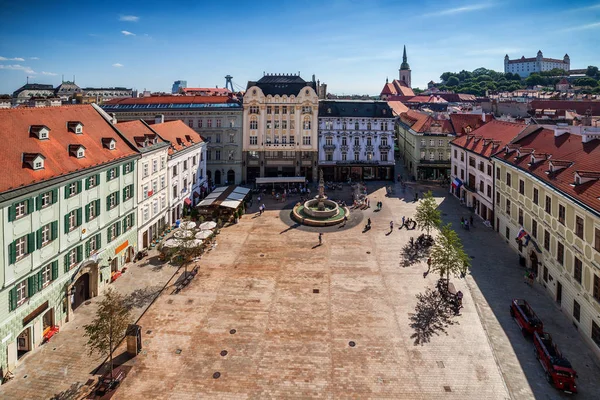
[281, 179]
[228, 196]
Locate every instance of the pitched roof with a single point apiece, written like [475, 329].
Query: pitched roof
[397, 88]
[139, 133]
[179, 134]
[425, 123]
[281, 84]
[466, 123]
[426, 99]
[566, 147]
[397, 107]
[16, 140]
[490, 138]
[355, 108]
[580, 106]
[172, 100]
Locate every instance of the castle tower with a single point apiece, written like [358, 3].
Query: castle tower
[405, 69]
[567, 61]
[506, 59]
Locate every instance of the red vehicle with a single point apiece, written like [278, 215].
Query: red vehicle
[525, 317]
[558, 369]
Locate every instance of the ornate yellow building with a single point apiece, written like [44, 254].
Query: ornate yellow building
[548, 207]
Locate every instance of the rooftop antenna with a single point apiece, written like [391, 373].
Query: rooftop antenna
[28, 80]
[73, 78]
[63, 78]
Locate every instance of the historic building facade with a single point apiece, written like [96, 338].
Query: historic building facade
[186, 166]
[472, 173]
[218, 119]
[152, 175]
[547, 184]
[67, 218]
[526, 66]
[281, 127]
[400, 86]
[356, 140]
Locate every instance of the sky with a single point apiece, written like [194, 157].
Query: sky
[352, 45]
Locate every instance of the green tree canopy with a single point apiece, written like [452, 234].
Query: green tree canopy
[591, 82]
[592, 71]
[427, 215]
[452, 81]
[448, 255]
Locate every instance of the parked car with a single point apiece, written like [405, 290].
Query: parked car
[525, 317]
[559, 371]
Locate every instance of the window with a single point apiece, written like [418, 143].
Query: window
[481, 186]
[369, 141]
[579, 226]
[175, 192]
[508, 179]
[155, 207]
[307, 123]
[163, 162]
[114, 172]
[489, 191]
[498, 173]
[424, 143]
[462, 156]
[595, 333]
[72, 189]
[534, 226]
[306, 140]
[432, 144]
[209, 123]
[154, 165]
[21, 209]
[185, 165]
[546, 240]
[328, 156]
[128, 223]
[72, 220]
[356, 126]
[455, 170]
[498, 198]
[440, 142]
[344, 156]
[269, 110]
[472, 162]
[112, 200]
[560, 253]
[217, 155]
[536, 195]
[219, 123]
[356, 156]
[163, 203]
[218, 137]
[596, 291]
[163, 182]
[146, 214]
[199, 123]
[521, 186]
[548, 205]
[597, 239]
[561, 214]
[328, 140]
[507, 207]
[507, 233]
[455, 154]
[93, 181]
[21, 247]
[520, 217]
[253, 124]
[384, 156]
[127, 168]
[545, 274]
[21, 292]
[114, 231]
[576, 310]
[174, 170]
[46, 275]
[191, 123]
[462, 174]
[489, 170]
[194, 161]
[356, 141]
[577, 269]
[92, 245]
[127, 192]
[46, 199]
[46, 235]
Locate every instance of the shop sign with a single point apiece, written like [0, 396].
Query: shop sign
[35, 313]
[122, 247]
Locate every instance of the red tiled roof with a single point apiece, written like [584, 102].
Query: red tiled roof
[424, 123]
[580, 106]
[427, 99]
[16, 140]
[566, 147]
[494, 135]
[172, 100]
[178, 134]
[397, 107]
[136, 130]
[467, 123]
[397, 87]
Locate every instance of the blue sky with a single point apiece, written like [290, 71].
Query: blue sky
[352, 45]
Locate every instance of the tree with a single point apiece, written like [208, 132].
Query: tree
[112, 318]
[452, 81]
[188, 247]
[592, 72]
[591, 82]
[534, 80]
[427, 214]
[448, 255]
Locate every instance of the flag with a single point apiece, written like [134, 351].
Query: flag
[456, 183]
[527, 239]
[521, 234]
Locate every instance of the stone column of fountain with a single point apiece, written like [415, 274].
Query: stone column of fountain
[321, 196]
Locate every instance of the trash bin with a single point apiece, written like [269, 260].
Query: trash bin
[134, 339]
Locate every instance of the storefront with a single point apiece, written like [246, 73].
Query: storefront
[357, 173]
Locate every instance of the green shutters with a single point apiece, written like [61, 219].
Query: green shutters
[79, 251]
[66, 191]
[87, 183]
[12, 213]
[54, 269]
[40, 281]
[117, 170]
[87, 212]
[128, 188]
[117, 198]
[12, 253]
[87, 249]
[108, 234]
[67, 263]
[54, 230]
[97, 205]
[98, 240]
[79, 216]
[108, 202]
[30, 243]
[118, 225]
[38, 201]
[12, 298]
[79, 186]
[54, 195]
[30, 208]
[67, 227]
[38, 237]
[32, 285]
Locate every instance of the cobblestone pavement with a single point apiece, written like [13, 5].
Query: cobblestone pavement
[62, 366]
[285, 310]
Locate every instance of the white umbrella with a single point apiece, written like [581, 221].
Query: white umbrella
[191, 243]
[203, 235]
[170, 243]
[188, 225]
[208, 225]
[183, 234]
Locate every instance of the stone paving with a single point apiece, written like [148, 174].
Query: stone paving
[62, 366]
[295, 307]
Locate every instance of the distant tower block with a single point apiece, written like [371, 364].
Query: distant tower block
[228, 82]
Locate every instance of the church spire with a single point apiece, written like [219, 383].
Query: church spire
[404, 64]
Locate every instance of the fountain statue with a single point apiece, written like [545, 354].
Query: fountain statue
[321, 195]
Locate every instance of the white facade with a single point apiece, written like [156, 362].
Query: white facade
[187, 178]
[526, 66]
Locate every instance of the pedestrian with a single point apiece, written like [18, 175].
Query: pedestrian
[462, 222]
[428, 263]
[345, 220]
[466, 224]
[259, 198]
[402, 222]
[391, 226]
[369, 222]
[263, 208]
[320, 238]
[471, 220]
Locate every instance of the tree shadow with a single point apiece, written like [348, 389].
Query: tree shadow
[141, 297]
[413, 253]
[433, 314]
[71, 393]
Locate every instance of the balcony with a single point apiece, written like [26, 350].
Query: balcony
[369, 149]
[329, 147]
[344, 148]
[470, 188]
[434, 162]
[385, 147]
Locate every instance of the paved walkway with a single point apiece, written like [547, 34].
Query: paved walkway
[62, 366]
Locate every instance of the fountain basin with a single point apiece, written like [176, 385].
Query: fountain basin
[300, 215]
[311, 207]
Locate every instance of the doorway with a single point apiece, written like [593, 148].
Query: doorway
[81, 290]
[114, 265]
[217, 177]
[558, 292]
[145, 239]
[23, 343]
[231, 177]
[48, 320]
[534, 262]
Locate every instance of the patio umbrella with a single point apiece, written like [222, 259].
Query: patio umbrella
[208, 225]
[170, 243]
[188, 225]
[191, 243]
[183, 234]
[203, 235]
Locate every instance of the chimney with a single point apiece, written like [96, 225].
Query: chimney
[113, 118]
[483, 115]
[159, 119]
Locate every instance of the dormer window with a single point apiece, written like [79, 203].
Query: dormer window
[42, 132]
[35, 161]
[109, 143]
[75, 126]
[586, 176]
[77, 150]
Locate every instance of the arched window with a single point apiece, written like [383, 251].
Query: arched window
[306, 123]
[356, 126]
[368, 126]
[253, 123]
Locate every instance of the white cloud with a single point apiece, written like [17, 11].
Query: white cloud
[117, 65]
[34, 58]
[48, 73]
[129, 18]
[459, 10]
[592, 7]
[12, 59]
[18, 67]
[595, 25]
[127, 33]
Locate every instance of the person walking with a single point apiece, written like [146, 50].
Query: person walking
[345, 220]
[462, 222]
[369, 222]
[403, 220]
[320, 238]
[471, 220]
[391, 226]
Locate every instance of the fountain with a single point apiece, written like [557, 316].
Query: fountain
[319, 211]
